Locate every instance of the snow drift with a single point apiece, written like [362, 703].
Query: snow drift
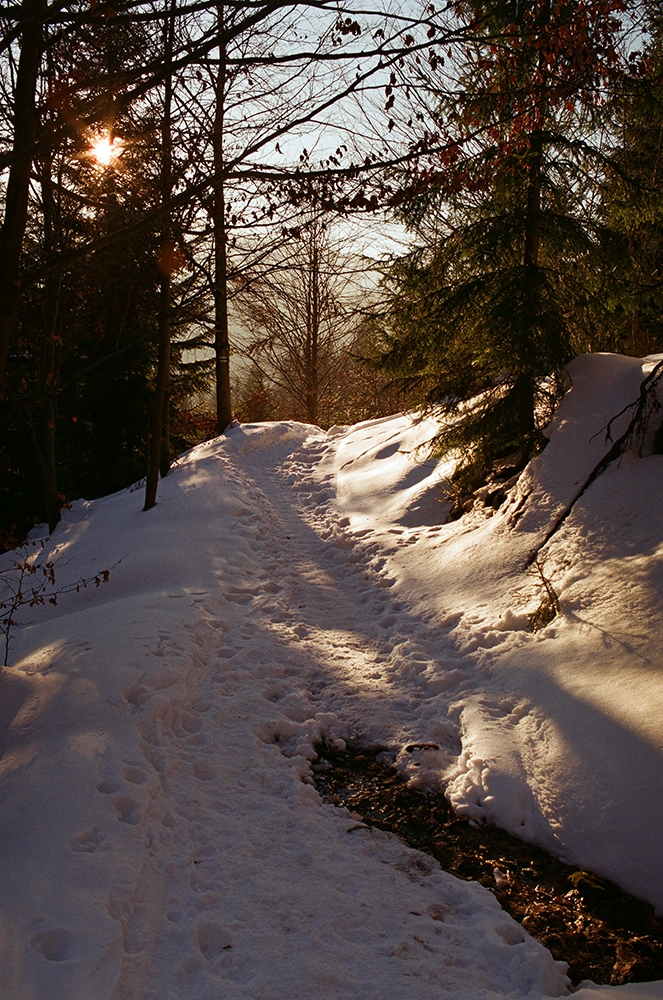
[160, 834]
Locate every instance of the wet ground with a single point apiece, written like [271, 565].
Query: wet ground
[604, 934]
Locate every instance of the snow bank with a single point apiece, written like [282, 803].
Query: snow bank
[159, 831]
[560, 731]
[631, 991]
[157, 836]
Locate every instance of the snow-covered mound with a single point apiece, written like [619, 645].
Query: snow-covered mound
[159, 832]
[561, 731]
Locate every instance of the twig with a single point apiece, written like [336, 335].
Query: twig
[548, 609]
[646, 386]
[42, 591]
[618, 447]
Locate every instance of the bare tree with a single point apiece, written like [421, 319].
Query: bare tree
[250, 92]
[300, 317]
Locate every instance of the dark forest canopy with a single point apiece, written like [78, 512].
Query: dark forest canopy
[164, 166]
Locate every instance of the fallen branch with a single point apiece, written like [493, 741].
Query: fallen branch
[646, 401]
[549, 607]
[642, 405]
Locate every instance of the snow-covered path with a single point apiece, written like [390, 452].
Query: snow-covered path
[275, 653]
[161, 835]
[191, 860]
[365, 654]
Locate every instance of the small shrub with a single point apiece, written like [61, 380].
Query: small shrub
[29, 581]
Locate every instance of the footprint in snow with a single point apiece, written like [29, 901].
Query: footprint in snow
[128, 810]
[190, 723]
[136, 696]
[202, 770]
[201, 705]
[197, 740]
[55, 945]
[239, 597]
[215, 623]
[212, 940]
[108, 787]
[88, 842]
[135, 775]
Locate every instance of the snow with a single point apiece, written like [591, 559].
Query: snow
[160, 832]
[631, 991]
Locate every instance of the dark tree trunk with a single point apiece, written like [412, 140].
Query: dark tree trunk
[26, 117]
[313, 335]
[42, 427]
[164, 467]
[522, 401]
[159, 448]
[523, 392]
[155, 455]
[44, 418]
[49, 393]
[221, 335]
[533, 212]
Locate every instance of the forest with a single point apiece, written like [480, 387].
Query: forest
[315, 211]
[331, 463]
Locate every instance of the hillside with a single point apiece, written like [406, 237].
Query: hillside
[159, 831]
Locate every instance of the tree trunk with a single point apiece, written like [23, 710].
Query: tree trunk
[49, 391]
[26, 119]
[42, 428]
[42, 431]
[522, 401]
[221, 336]
[49, 358]
[533, 211]
[313, 375]
[164, 467]
[158, 404]
[535, 157]
[42, 416]
[523, 391]
[159, 447]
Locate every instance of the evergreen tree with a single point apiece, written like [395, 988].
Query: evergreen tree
[496, 298]
[633, 199]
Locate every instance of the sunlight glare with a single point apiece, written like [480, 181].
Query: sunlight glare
[104, 150]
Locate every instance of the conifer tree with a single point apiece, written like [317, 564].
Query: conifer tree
[633, 198]
[492, 302]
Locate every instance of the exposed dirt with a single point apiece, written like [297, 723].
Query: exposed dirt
[604, 934]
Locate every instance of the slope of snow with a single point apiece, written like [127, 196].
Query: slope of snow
[631, 991]
[159, 831]
[560, 731]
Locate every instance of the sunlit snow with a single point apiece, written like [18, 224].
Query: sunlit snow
[160, 834]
